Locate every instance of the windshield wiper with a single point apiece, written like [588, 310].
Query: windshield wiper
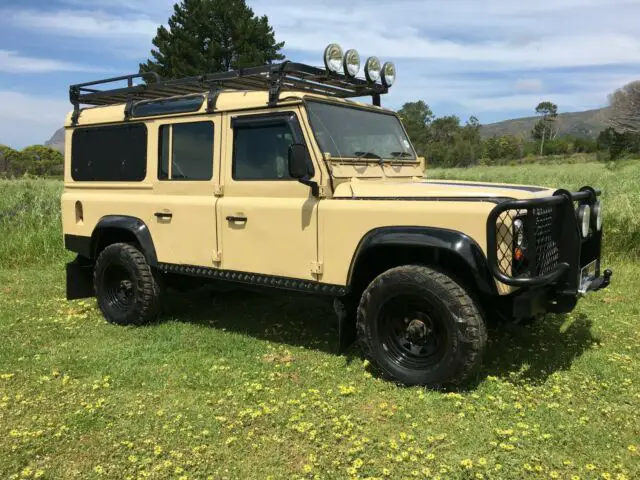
[367, 155]
[401, 154]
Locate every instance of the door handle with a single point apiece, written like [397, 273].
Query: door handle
[163, 215]
[233, 219]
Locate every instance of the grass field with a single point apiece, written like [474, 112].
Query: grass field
[241, 385]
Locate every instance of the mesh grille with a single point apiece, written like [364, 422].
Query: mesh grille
[547, 254]
[542, 257]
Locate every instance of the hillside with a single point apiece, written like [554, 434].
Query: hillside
[580, 124]
[56, 141]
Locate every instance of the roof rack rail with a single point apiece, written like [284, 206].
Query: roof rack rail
[275, 78]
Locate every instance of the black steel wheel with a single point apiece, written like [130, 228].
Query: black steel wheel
[418, 326]
[127, 291]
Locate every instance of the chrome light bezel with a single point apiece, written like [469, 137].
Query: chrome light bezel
[596, 216]
[388, 79]
[372, 69]
[354, 56]
[331, 61]
[584, 217]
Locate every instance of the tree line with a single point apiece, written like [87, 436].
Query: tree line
[446, 142]
[36, 160]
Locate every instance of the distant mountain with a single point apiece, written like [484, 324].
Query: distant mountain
[586, 124]
[56, 141]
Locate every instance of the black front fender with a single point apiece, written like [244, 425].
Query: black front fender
[457, 243]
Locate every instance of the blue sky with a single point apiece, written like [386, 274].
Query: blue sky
[495, 59]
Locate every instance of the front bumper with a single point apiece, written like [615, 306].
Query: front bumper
[556, 265]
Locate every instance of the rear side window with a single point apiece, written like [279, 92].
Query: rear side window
[115, 153]
[186, 151]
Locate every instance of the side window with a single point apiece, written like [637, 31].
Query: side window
[116, 153]
[260, 152]
[186, 151]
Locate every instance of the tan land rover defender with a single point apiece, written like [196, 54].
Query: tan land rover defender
[273, 177]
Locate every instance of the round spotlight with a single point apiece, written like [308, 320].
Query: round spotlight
[372, 69]
[596, 214]
[584, 217]
[388, 74]
[351, 63]
[333, 57]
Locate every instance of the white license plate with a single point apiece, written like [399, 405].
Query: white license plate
[589, 271]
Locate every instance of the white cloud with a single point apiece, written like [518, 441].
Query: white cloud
[12, 62]
[529, 84]
[85, 24]
[27, 119]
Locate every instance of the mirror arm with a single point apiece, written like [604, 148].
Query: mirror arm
[315, 188]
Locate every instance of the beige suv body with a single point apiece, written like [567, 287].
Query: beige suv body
[320, 195]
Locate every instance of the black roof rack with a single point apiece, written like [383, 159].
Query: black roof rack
[286, 76]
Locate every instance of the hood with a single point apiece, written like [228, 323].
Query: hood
[394, 188]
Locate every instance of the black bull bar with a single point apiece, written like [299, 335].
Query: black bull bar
[553, 250]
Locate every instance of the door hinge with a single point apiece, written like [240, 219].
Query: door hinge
[317, 268]
[217, 256]
[322, 191]
[218, 190]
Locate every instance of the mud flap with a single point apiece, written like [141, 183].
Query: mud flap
[79, 280]
[346, 324]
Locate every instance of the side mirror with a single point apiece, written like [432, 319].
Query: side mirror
[300, 166]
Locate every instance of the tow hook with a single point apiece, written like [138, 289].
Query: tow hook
[596, 284]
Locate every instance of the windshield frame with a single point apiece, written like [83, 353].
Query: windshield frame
[366, 108]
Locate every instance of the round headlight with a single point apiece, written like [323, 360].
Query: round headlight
[388, 74]
[372, 69]
[584, 217]
[333, 57]
[351, 63]
[596, 215]
[518, 232]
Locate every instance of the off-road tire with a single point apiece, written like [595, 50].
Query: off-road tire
[447, 304]
[140, 304]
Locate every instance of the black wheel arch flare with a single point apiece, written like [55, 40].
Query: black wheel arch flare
[130, 224]
[463, 247]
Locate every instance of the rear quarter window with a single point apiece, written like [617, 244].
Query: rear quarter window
[116, 153]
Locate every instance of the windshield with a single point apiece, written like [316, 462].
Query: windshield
[351, 132]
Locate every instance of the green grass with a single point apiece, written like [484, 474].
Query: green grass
[241, 385]
[30, 228]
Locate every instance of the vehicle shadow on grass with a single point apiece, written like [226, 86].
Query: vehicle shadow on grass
[297, 320]
[532, 353]
[528, 353]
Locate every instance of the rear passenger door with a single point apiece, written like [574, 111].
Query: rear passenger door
[183, 222]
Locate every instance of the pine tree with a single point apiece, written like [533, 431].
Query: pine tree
[206, 36]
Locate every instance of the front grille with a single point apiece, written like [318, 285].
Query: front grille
[547, 253]
[541, 253]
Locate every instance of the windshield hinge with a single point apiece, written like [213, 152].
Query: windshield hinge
[217, 256]
[218, 190]
[322, 191]
[317, 268]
